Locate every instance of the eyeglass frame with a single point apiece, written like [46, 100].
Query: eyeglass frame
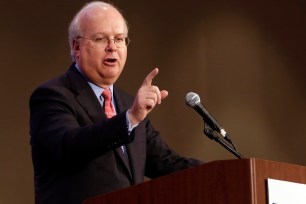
[126, 40]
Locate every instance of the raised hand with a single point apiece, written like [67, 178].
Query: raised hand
[146, 98]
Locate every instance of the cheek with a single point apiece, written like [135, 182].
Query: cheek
[93, 55]
[123, 56]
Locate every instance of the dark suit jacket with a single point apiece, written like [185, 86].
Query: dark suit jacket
[76, 151]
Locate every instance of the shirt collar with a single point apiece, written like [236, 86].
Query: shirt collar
[96, 89]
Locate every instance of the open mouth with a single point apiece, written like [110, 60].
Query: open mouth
[110, 61]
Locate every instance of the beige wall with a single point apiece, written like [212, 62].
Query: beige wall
[246, 59]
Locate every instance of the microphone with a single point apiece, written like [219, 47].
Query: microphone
[193, 100]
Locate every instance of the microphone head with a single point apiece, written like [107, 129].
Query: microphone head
[192, 99]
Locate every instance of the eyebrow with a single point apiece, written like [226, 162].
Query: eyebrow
[104, 34]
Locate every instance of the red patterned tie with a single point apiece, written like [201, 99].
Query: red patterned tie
[108, 106]
[109, 110]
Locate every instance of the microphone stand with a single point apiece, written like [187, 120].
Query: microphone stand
[211, 135]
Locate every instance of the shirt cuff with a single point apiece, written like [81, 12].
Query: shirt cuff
[128, 123]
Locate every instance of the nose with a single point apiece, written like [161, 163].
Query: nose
[111, 46]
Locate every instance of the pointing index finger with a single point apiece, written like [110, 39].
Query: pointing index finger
[149, 78]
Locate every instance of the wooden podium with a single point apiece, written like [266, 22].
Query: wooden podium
[230, 181]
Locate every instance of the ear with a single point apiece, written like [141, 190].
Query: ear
[76, 47]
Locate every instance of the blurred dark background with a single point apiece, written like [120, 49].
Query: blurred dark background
[246, 59]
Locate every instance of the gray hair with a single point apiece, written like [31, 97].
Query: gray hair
[75, 27]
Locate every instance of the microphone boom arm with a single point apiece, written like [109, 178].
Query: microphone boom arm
[211, 135]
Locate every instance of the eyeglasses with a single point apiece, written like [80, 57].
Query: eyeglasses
[102, 42]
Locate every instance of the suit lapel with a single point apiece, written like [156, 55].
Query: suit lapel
[85, 95]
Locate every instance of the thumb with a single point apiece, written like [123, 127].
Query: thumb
[163, 94]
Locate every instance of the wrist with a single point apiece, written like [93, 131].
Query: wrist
[133, 120]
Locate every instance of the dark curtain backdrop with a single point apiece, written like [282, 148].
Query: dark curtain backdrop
[246, 59]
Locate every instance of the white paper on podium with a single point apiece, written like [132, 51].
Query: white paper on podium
[284, 192]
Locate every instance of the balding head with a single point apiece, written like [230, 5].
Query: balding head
[77, 26]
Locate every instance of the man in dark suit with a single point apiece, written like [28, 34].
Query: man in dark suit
[78, 151]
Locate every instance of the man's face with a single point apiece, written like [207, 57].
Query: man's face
[101, 65]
